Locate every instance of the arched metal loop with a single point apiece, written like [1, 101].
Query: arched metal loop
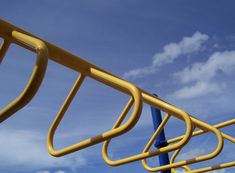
[36, 77]
[135, 100]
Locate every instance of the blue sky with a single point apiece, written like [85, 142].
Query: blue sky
[182, 50]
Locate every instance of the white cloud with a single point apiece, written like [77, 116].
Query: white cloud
[170, 52]
[60, 171]
[181, 170]
[49, 171]
[202, 75]
[28, 149]
[219, 171]
[215, 171]
[218, 61]
[43, 172]
[199, 89]
[191, 154]
[194, 153]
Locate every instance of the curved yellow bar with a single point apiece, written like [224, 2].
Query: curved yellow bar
[89, 70]
[185, 167]
[135, 100]
[152, 100]
[199, 124]
[36, 76]
[215, 167]
[12, 34]
[199, 132]
[3, 49]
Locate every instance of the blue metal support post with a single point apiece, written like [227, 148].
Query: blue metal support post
[161, 139]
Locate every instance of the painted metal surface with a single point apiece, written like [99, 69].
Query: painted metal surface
[36, 77]
[161, 139]
[212, 167]
[45, 50]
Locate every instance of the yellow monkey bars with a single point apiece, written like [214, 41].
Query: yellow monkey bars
[87, 69]
[184, 163]
[45, 50]
[209, 168]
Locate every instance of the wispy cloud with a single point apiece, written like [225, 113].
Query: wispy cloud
[60, 171]
[218, 61]
[215, 171]
[170, 52]
[199, 89]
[191, 154]
[199, 77]
[50, 172]
[28, 149]
[219, 171]
[43, 172]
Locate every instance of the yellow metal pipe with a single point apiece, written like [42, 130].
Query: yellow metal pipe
[55, 53]
[152, 100]
[3, 49]
[106, 78]
[165, 107]
[12, 34]
[36, 76]
[199, 132]
[213, 154]
[60, 115]
[216, 167]
[87, 69]
[185, 167]
[205, 169]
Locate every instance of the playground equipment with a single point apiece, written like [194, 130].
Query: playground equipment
[193, 160]
[45, 50]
